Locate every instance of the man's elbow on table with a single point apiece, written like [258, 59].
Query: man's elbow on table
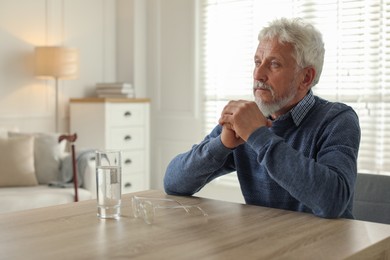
[169, 188]
[172, 186]
[336, 211]
[172, 190]
[169, 185]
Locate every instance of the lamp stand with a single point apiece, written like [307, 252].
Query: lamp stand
[56, 104]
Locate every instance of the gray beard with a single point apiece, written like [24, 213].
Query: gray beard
[272, 108]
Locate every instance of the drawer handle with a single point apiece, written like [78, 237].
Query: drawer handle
[127, 113]
[128, 161]
[127, 138]
[127, 184]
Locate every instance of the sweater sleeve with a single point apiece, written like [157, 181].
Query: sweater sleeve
[187, 173]
[324, 183]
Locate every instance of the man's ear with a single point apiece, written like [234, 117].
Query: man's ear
[308, 77]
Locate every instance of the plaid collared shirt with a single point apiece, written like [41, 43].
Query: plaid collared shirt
[301, 109]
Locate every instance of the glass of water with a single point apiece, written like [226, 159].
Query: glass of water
[108, 183]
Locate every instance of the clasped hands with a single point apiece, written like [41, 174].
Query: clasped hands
[239, 119]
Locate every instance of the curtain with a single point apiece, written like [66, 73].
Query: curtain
[356, 69]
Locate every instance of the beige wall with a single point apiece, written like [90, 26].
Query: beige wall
[150, 43]
[88, 25]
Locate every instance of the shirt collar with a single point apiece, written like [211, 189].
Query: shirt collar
[299, 112]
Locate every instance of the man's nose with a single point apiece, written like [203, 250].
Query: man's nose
[259, 73]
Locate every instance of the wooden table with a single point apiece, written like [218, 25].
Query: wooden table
[231, 231]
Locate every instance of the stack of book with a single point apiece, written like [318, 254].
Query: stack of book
[115, 90]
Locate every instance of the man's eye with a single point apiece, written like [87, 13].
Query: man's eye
[275, 64]
[257, 63]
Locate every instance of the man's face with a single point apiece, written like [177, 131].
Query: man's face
[276, 78]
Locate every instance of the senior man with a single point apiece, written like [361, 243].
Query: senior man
[291, 149]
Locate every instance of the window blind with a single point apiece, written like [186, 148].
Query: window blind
[356, 69]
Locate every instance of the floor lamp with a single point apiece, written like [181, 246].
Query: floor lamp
[56, 63]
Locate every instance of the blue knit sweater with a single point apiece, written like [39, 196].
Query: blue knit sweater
[309, 167]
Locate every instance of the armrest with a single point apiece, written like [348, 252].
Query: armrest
[89, 181]
[86, 168]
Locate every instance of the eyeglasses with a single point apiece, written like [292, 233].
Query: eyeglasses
[145, 208]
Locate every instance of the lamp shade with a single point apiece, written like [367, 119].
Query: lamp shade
[56, 62]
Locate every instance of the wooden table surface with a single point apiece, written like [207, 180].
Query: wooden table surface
[231, 231]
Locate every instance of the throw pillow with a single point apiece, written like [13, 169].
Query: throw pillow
[17, 162]
[47, 155]
[5, 129]
[3, 133]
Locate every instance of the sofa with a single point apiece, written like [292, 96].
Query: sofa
[36, 171]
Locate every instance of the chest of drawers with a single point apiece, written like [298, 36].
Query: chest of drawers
[123, 124]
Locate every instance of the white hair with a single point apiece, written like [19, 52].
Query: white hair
[306, 39]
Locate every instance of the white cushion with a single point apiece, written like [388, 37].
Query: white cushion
[47, 155]
[17, 161]
[22, 198]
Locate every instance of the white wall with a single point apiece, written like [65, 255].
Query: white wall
[172, 79]
[150, 43]
[171, 70]
[132, 44]
[88, 25]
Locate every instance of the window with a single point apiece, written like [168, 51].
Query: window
[356, 70]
